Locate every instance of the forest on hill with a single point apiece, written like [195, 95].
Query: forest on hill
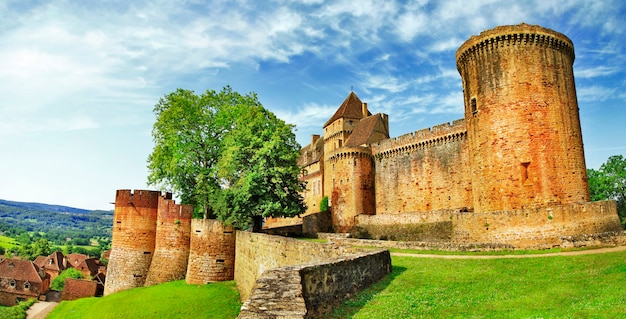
[60, 226]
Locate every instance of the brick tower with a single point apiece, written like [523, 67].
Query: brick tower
[212, 254]
[172, 242]
[525, 142]
[133, 244]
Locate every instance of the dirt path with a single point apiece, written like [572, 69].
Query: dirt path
[40, 309]
[567, 253]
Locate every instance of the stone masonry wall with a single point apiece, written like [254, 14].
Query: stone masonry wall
[172, 242]
[255, 253]
[312, 290]
[212, 254]
[522, 118]
[536, 228]
[133, 242]
[423, 171]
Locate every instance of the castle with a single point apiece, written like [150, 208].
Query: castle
[510, 174]
[512, 171]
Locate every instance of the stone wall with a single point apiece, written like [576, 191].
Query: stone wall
[423, 171]
[537, 228]
[212, 254]
[312, 290]
[524, 135]
[133, 242]
[255, 253]
[171, 252]
[78, 288]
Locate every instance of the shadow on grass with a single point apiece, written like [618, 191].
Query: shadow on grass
[350, 307]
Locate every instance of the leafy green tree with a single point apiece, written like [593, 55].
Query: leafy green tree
[59, 281]
[609, 182]
[227, 155]
[259, 168]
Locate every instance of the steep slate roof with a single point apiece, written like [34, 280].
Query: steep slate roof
[363, 131]
[350, 108]
[18, 269]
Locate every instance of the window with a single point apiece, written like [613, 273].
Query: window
[473, 105]
[524, 171]
[27, 285]
[340, 143]
[12, 283]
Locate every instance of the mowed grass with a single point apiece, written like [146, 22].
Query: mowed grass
[585, 286]
[170, 300]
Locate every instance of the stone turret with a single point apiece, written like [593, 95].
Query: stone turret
[133, 244]
[525, 142]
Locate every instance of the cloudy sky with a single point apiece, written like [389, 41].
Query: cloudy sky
[80, 78]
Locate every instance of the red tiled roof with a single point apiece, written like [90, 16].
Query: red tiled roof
[363, 131]
[350, 108]
[18, 269]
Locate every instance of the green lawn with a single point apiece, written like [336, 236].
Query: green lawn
[170, 300]
[589, 286]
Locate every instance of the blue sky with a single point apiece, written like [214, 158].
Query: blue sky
[80, 78]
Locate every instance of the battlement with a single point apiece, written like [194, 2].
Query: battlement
[425, 138]
[349, 152]
[522, 34]
[138, 198]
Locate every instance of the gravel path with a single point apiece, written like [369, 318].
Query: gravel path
[566, 253]
[40, 309]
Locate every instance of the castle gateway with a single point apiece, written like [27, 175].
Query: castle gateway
[512, 171]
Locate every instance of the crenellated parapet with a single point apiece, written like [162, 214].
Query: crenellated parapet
[422, 139]
[513, 35]
[349, 152]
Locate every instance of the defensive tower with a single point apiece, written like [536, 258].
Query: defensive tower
[212, 255]
[133, 242]
[525, 142]
[171, 252]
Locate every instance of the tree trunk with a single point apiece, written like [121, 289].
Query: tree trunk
[257, 224]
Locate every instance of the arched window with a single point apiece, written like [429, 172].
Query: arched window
[12, 283]
[27, 285]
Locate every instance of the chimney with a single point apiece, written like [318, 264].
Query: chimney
[364, 109]
[314, 138]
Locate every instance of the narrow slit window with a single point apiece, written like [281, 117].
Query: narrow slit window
[524, 171]
[473, 105]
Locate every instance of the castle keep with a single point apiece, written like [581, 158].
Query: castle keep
[512, 171]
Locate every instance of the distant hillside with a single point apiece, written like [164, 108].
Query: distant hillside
[46, 207]
[57, 222]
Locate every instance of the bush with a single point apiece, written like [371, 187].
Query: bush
[324, 204]
[16, 312]
[59, 281]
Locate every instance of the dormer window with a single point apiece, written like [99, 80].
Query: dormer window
[12, 284]
[27, 285]
[50, 261]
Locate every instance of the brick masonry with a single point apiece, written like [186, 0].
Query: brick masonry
[212, 256]
[172, 242]
[78, 288]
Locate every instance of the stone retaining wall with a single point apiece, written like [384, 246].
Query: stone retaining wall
[312, 290]
[272, 270]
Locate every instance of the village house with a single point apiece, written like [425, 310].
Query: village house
[21, 280]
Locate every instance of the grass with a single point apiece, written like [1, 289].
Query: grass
[170, 300]
[485, 253]
[585, 286]
[7, 242]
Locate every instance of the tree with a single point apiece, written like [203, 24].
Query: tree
[226, 155]
[609, 182]
[59, 281]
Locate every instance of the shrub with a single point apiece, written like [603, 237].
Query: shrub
[324, 204]
[59, 281]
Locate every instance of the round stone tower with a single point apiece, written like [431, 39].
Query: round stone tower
[133, 243]
[171, 251]
[521, 111]
[212, 253]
